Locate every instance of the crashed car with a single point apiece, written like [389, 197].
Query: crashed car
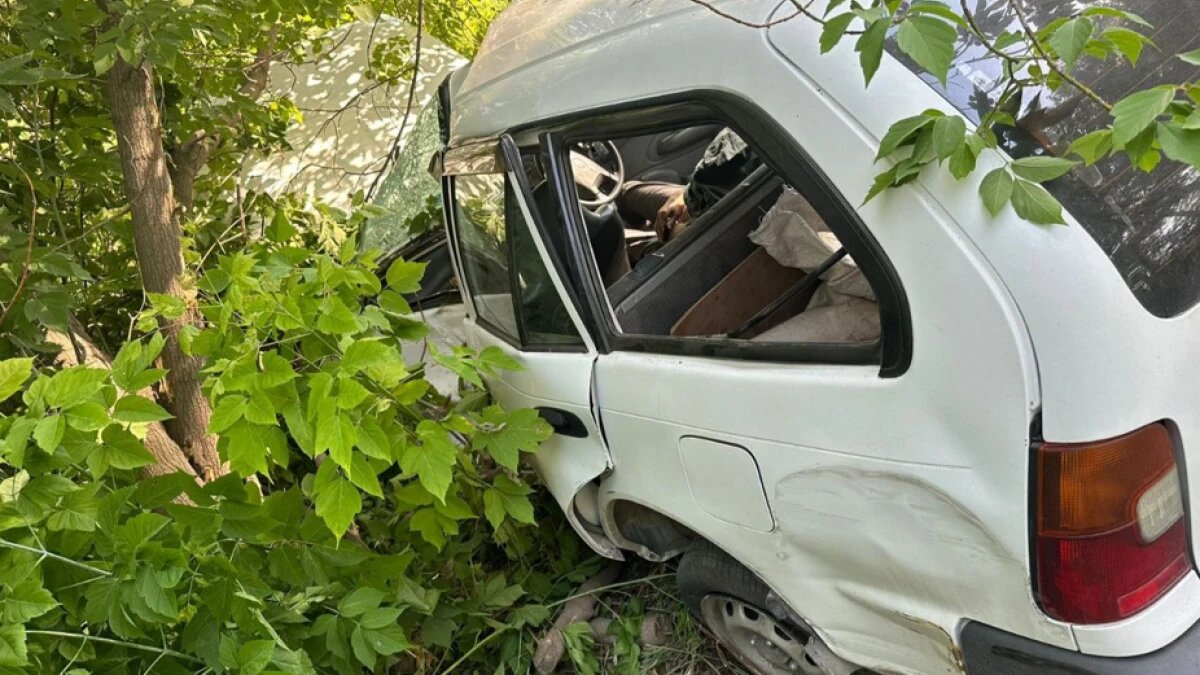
[902, 436]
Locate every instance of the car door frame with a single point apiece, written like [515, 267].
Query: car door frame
[577, 454]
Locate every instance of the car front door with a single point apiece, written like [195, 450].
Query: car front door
[517, 304]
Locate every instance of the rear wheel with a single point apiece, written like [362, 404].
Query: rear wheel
[732, 602]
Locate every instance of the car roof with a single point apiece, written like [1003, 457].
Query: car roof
[536, 35]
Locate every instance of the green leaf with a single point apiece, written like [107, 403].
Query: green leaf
[134, 408]
[948, 135]
[26, 600]
[1070, 39]
[12, 645]
[13, 374]
[962, 161]
[77, 511]
[902, 131]
[996, 189]
[260, 410]
[494, 359]
[49, 432]
[505, 435]
[1130, 43]
[1116, 14]
[1042, 169]
[336, 318]
[363, 475]
[493, 508]
[131, 368]
[254, 656]
[431, 460]
[337, 434]
[122, 450]
[365, 353]
[834, 30]
[387, 640]
[360, 601]
[405, 277]
[1034, 204]
[1135, 113]
[362, 648]
[1181, 145]
[1093, 146]
[337, 504]
[930, 42]
[276, 371]
[1192, 57]
[245, 446]
[87, 416]
[228, 410]
[74, 385]
[497, 593]
[870, 48]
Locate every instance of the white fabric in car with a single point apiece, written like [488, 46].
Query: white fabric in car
[796, 236]
[843, 309]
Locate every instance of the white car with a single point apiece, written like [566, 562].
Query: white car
[900, 437]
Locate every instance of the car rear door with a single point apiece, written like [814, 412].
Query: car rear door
[516, 303]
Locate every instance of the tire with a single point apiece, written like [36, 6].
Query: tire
[719, 590]
[705, 569]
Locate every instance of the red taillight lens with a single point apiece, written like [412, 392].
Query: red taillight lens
[1111, 531]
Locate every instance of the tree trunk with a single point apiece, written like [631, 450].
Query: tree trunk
[157, 236]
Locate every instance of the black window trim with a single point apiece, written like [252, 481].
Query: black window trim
[520, 190]
[892, 352]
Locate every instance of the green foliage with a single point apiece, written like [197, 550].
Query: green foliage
[1146, 124]
[386, 517]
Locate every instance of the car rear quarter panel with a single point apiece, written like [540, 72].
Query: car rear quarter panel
[901, 503]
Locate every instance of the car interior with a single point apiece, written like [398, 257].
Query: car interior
[759, 264]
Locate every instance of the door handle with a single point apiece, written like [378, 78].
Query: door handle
[564, 422]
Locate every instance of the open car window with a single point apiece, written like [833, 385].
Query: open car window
[745, 256]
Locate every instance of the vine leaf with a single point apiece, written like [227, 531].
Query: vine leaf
[1192, 57]
[930, 42]
[13, 373]
[834, 30]
[1071, 38]
[1091, 147]
[1042, 169]
[1135, 113]
[337, 504]
[1033, 203]
[1180, 144]
[870, 48]
[996, 189]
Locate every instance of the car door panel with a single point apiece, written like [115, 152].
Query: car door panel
[558, 380]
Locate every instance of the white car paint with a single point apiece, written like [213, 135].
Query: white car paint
[900, 505]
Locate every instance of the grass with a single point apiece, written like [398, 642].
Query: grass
[689, 649]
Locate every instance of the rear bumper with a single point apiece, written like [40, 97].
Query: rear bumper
[989, 651]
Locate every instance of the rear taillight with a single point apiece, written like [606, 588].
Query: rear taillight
[1111, 530]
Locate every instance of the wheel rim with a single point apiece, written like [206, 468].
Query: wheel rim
[762, 641]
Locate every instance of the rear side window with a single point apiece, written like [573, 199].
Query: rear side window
[511, 289]
[1147, 223]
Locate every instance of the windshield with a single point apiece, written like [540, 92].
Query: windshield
[409, 197]
[1147, 223]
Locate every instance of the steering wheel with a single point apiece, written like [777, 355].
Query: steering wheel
[592, 176]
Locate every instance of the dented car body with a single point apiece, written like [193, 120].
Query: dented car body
[941, 499]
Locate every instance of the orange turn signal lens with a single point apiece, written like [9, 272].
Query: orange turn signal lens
[1091, 488]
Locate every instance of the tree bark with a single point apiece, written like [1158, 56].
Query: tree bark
[157, 236]
[78, 349]
[188, 159]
